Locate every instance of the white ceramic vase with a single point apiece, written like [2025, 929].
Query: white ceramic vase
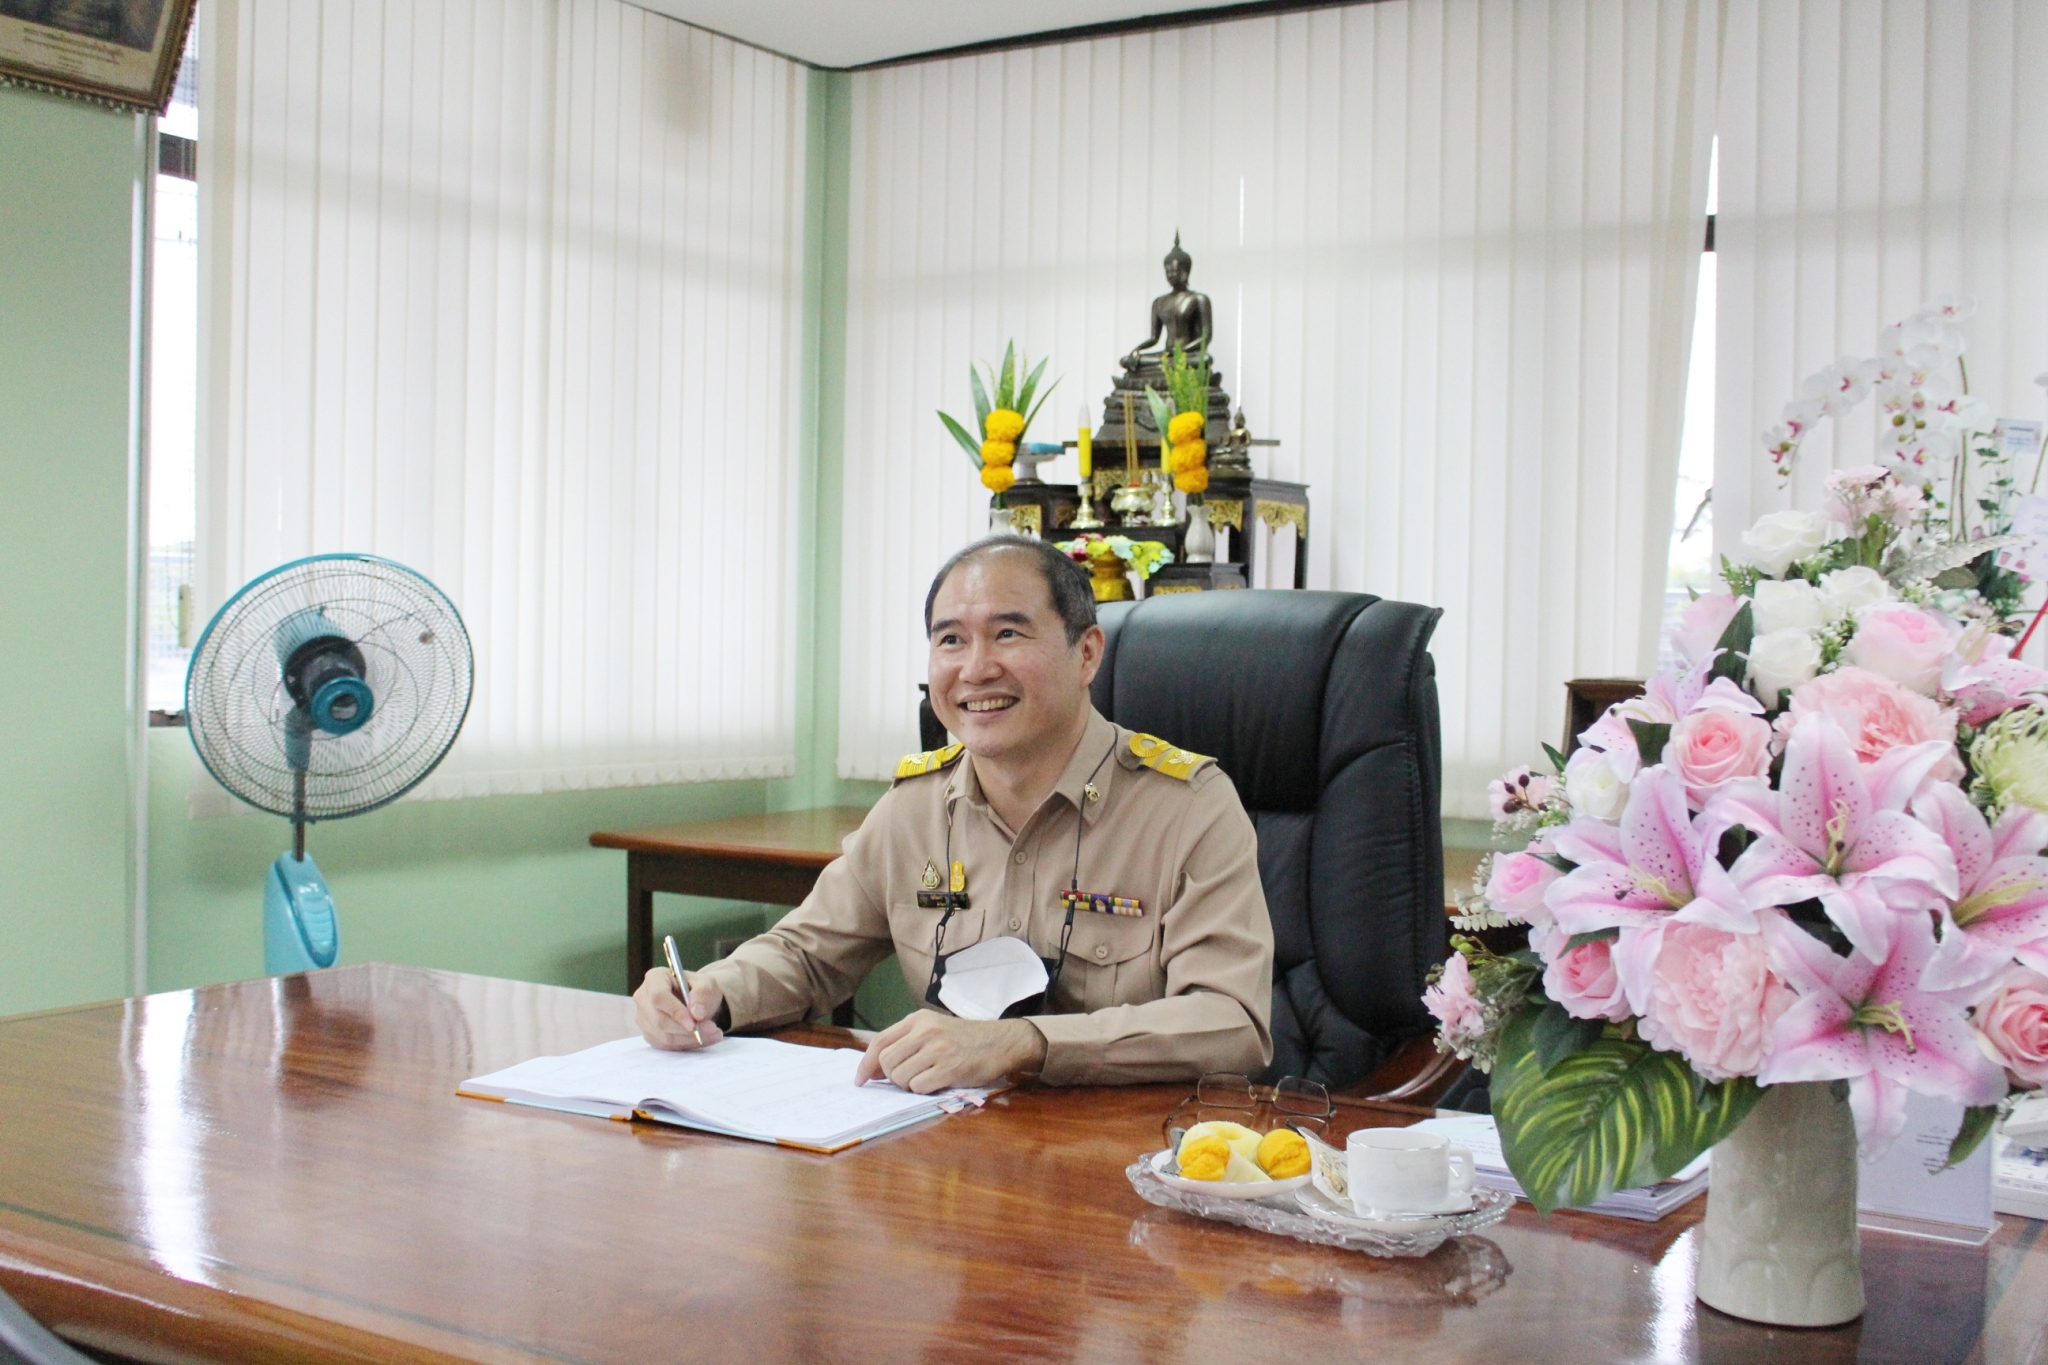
[1780, 1245]
[1198, 546]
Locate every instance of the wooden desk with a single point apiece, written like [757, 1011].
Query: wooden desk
[772, 858]
[280, 1170]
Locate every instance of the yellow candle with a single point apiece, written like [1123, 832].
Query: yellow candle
[1086, 447]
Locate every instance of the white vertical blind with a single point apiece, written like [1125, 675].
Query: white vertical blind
[1451, 244]
[510, 291]
[1874, 156]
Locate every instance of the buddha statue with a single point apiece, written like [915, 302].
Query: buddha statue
[1181, 317]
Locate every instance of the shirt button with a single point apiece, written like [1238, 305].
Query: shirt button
[1020, 856]
[1014, 925]
[1102, 950]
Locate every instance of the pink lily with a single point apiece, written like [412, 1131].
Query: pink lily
[1869, 1022]
[1655, 865]
[2001, 912]
[1985, 680]
[1838, 832]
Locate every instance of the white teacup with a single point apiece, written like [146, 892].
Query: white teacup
[1400, 1170]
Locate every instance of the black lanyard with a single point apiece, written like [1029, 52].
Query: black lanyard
[1058, 964]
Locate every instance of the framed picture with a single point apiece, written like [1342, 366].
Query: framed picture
[119, 52]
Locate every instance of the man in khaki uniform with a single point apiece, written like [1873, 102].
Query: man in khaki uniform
[1168, 968]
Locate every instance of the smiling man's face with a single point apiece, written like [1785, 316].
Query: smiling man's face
[1003, 678]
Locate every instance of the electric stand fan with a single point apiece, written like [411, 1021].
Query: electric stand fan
[325, 688]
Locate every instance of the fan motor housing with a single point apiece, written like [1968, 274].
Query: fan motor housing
[325, 676]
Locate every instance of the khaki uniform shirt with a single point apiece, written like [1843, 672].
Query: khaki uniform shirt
[1183, 988]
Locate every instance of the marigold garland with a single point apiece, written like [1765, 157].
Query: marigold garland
[1003, 420]
[1003, 425]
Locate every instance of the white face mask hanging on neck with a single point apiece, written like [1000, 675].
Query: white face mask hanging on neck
[983, 981]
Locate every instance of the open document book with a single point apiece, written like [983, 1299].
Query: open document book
[753, 1088]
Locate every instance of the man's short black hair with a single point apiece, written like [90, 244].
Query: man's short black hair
[1073, 597]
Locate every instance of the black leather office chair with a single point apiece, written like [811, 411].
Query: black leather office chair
[24, 1341]
[1322, 708]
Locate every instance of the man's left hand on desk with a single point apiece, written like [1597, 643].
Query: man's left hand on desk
[929, 1051]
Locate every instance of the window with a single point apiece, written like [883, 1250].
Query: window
[1692, 566]
[173, 398]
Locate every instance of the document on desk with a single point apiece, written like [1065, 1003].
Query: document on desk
[755, 1088]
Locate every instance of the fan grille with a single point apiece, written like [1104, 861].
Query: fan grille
[416, 659]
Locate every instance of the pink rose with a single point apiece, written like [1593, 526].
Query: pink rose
[1903, 643]
[1452, 1002]
[1873, 711]
[1700, 625]
[1582, 979]
[1711, 748]
[2012, 1023]
[1706, 994]
[1517, 885]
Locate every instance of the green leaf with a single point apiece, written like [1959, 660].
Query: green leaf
[1556, 759]
[1556, 860]
[1651, 737]
[1734, 643]
[1041, 403]
[1613, 1115]
[1976, 1125]
[1557, 1035]
[1591, 936]
[1162, 414]
[967, 443]
[1006, 387]
[982, 406]
[1030, 387]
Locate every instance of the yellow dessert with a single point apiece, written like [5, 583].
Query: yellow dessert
[1205, 1158]
[1283, 1154]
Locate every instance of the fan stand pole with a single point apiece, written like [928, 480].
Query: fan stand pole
[299, 815]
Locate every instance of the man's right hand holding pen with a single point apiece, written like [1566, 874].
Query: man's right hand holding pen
[669, 1023]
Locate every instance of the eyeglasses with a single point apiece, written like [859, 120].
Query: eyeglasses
[1292, 1102]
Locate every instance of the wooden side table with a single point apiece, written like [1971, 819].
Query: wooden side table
[773, 858]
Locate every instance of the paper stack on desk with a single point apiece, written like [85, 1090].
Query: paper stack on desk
[753, 1088]
[1477, 1133]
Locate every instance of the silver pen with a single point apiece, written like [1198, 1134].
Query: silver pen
[675, 972]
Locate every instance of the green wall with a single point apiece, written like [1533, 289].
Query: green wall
[67, 204]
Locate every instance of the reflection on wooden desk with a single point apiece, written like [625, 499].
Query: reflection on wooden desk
[281, 1169]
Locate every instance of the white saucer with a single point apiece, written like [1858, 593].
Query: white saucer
[1322, 1208]
[1166, 1168]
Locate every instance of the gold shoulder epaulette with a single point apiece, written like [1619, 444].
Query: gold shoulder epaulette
[930, 761]
[1156, 754]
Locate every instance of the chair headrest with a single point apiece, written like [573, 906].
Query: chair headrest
[1241, 676]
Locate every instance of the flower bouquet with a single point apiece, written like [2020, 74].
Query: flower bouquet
[1810, 852]
[1180, 418]
[1002, 421]
[1109, 558]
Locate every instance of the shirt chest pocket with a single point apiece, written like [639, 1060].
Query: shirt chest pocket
[1116, 958]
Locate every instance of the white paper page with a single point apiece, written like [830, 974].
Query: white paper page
[753, 1086]
[1908, 1181]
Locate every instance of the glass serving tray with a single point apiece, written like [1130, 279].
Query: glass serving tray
[1282, 1215]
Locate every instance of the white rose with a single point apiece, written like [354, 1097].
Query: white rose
[1782, 659]
[1782, 538]
[1848, 591]
[1788, 605]
[1594, 785]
